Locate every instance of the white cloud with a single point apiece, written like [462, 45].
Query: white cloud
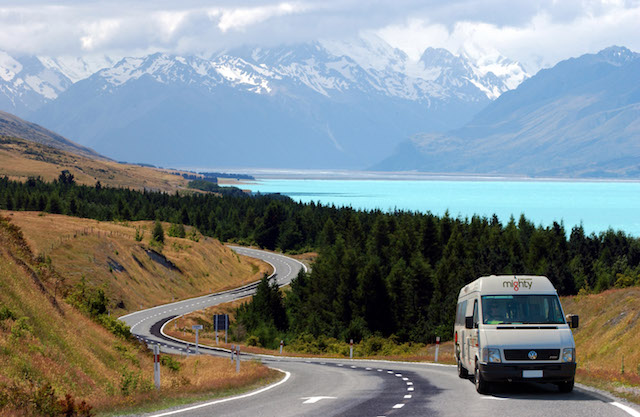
[241, 18]
[97, 33]
[540, 42]
[536, 32]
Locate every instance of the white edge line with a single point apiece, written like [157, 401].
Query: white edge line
[287, 375]
[222, 292]
[186, 342]
[273, 253]
[626, 409]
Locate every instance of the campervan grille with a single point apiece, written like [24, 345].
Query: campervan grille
[523, 354]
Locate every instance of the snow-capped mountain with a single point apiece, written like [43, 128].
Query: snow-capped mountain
[351, 102]
[577, 119]
[26, 84]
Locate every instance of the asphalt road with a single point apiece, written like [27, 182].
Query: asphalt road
[321, 387]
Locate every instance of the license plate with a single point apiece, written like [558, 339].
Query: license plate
[532, 374]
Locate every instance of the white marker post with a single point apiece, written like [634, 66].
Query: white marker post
[156, 365]
[238, 359]
[351, 349]
[281, 345]
[437, 347]
[215, 323]
[197, 327]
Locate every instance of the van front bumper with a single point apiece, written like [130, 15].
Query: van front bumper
[551, 372]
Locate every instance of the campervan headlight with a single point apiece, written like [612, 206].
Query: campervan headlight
[568, 355]
[491, 355]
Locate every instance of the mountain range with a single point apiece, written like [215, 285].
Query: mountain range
[580, 118]
[313, 105]
[360, 104]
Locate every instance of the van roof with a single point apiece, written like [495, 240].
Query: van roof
[510, 284]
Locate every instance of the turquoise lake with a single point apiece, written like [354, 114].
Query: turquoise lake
[597, 205]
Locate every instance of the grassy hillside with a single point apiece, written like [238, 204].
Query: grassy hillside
[49, 349]
[20, 159]
[607, 339]
[134, 274]
[11, 125]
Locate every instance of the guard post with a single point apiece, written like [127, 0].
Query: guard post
[156, 366]
[437, 347]
[197, 328]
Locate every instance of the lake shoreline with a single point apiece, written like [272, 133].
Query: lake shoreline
[346, 175]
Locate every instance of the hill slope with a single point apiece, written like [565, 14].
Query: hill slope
[21, 159]
[14, 126]
[577, 119]
[134, 274]
[51, 349]
[607, 339]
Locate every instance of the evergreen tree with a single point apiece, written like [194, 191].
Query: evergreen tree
[158, 232]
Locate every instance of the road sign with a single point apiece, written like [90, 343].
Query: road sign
[220, 321]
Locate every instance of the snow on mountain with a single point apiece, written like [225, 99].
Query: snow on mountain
[492, 73]
[78, 68]
[576, 119]
[26, 83]
[366, 65]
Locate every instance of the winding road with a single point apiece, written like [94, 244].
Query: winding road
[324, 387]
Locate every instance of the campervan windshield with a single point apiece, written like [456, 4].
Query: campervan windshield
[521, 309]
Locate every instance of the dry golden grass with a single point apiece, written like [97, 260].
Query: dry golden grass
[93, 249]
[198, 375]
[46, 341]
[20, 159]
[607, 340]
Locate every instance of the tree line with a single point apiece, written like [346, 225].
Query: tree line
[377, 273]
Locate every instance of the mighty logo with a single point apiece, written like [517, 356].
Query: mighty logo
[516, 284]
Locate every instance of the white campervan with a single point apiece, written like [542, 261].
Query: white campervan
[512, 328]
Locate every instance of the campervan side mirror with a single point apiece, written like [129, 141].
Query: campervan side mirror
[573, 320]
[468, 322]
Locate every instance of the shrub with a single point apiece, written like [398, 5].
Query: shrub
[177, 230]
[21, 327]
[6, 313]
[170, 363]
[253, 341]
[115, 326]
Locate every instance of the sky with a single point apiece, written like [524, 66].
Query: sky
[536, 33]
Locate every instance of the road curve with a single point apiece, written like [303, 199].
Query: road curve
[325, 387]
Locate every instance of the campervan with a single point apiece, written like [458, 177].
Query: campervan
[512, 328]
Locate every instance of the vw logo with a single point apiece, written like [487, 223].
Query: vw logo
[533, 355]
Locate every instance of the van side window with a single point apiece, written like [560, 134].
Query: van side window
[475, 313]
[461, 312]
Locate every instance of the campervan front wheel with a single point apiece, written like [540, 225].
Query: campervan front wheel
[566, 386]
[482, 386]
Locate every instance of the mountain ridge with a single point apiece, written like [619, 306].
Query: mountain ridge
[577, 119]
[304, 105]
[13, 126]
